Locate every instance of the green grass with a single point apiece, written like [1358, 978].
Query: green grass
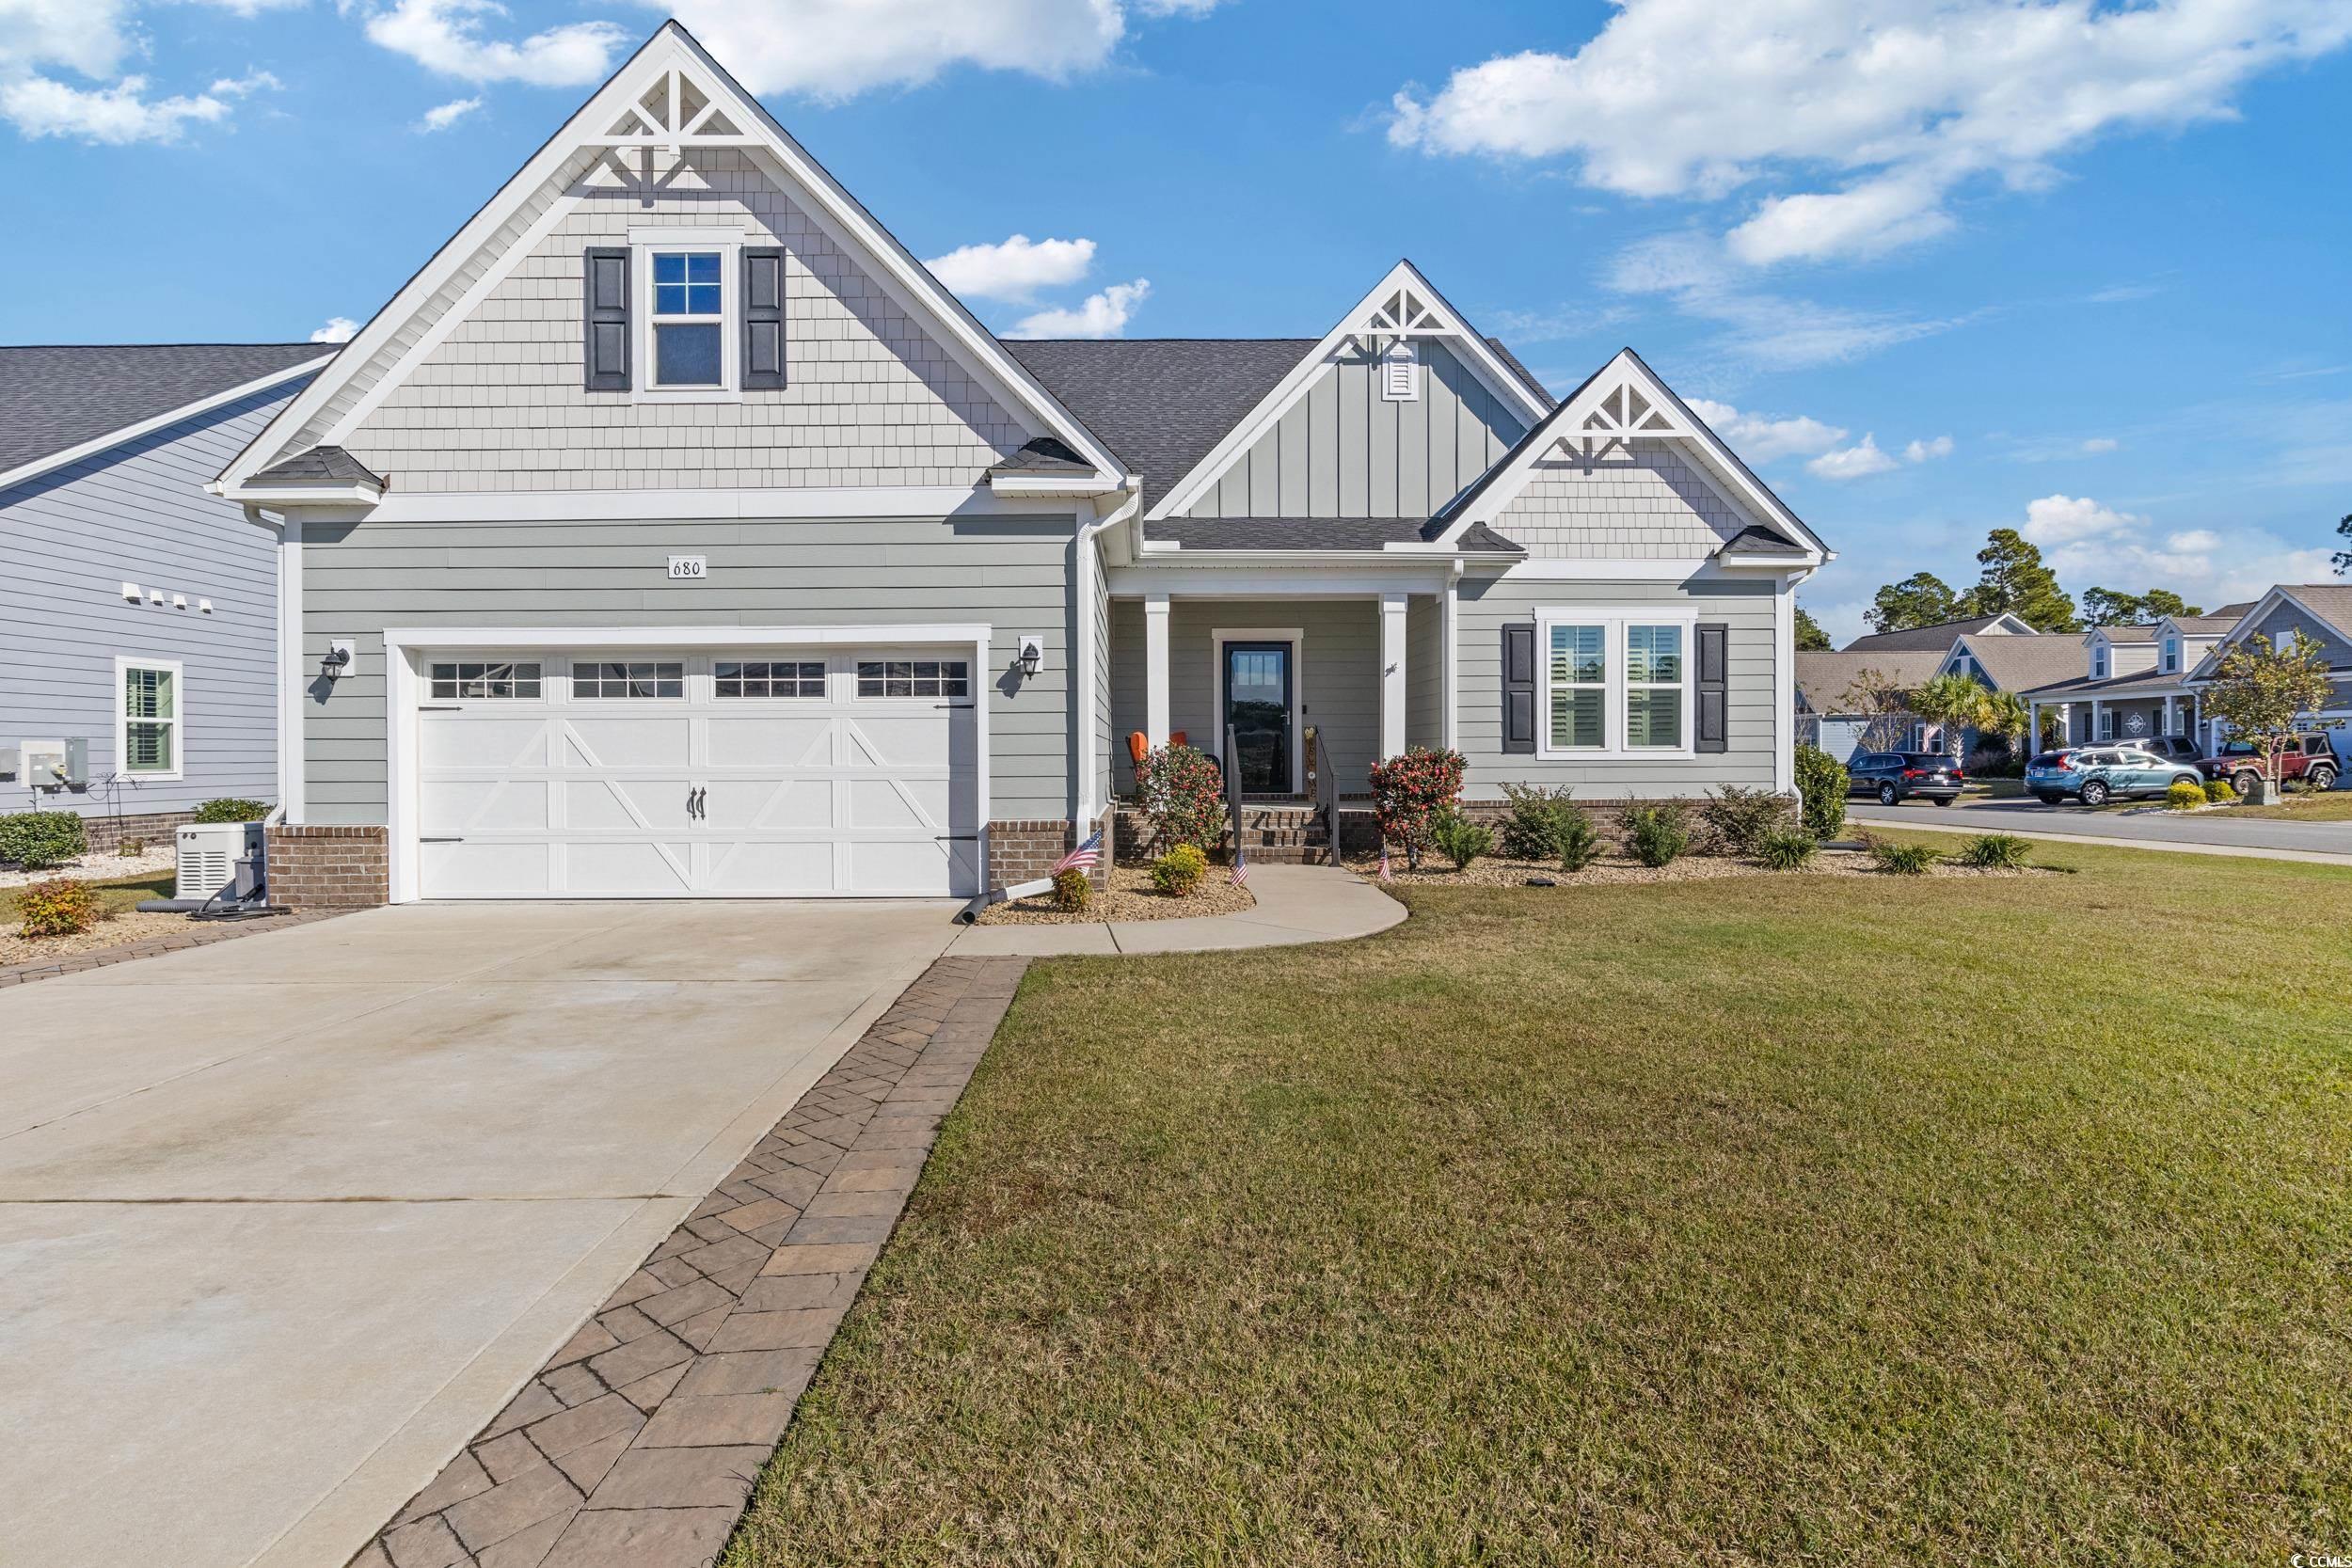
[2334, 806]
[1791, 1219]
[117, 898]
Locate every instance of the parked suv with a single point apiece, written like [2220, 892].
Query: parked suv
[2309, 757]
[1895, 777]
[2172, 748]
[2097, 774]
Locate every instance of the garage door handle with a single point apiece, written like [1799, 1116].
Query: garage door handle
[427, 839]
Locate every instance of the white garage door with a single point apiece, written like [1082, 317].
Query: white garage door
[777, 774]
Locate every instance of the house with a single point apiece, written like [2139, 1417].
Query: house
[674, 532]
[138, 612]
[2134, 683]
[1837, 709]
[1939, 637]
[2321, 612]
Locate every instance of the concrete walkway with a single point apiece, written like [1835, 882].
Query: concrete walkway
[1295, 904]
[2203, 832]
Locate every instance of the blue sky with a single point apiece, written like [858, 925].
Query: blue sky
[1936, 266]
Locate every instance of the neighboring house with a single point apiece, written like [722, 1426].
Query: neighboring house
[1833, 713]
[2321, 612]
[687, 538]
[138, 613]
[1940, 637]
[2133, 684]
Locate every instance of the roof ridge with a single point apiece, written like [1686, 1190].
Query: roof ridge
[271, 342]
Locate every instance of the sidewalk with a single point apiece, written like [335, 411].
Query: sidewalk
[2205, 832]
[1295, 904]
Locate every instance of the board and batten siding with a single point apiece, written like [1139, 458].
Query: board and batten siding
[1013, 573]
[871, 398]
[137, 513]
[1342, 451]
[1338, 676]
[1488, 604]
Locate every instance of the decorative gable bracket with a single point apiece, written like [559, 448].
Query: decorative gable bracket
[674, 115]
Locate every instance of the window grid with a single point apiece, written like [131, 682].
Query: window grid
[628, 680]
[1653, 693]
[503, 681]
[150, 720]
[688, 319]
[771, 677]
[1579, 687]
[918, 677]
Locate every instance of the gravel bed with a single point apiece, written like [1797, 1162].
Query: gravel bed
[1131, 897]
[101, 868]
[1617, 870]
[127, 927]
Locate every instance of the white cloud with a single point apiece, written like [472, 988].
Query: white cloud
[2092, 544]
[1102, 315]
[2094, 445]
[120, 114]
[1761, 438]
[337, 330]
[2196, 539]
[442, 116]
[1014, 270]
[1920, 451]
[1759, 330]
[252, 81]
[1904, 100]
[1859, 461]
[2055, 520]
[93, 38]
[447, 37]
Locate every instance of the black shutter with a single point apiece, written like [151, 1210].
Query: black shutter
[604, 320]
[1714, 733]
[763, 320]
[1518, 687]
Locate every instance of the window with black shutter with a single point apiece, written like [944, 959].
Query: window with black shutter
[604, 320]
[1518, 687]
[763, 320]
[1713, 730]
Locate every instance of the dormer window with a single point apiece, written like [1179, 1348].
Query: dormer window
[2171, 653]
[1400, 373]
[688, 319]
[2099, 662]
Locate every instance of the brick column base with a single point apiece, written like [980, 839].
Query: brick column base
[1025, 851]
[318, 867]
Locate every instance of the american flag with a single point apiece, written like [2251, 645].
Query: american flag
[1082, 857]
[1240, 868]
[1384, 875]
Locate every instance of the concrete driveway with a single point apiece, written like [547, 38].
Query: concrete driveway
[2205, 831]
[283, 1221]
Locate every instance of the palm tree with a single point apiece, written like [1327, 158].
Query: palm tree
[1956, 702]
[2007, 716]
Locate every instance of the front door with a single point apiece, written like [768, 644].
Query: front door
[1258, 711]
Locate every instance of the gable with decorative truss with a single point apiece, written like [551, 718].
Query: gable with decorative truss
[1389, 414]
[487, 372]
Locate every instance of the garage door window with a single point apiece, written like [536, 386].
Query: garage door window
[488, 681]
[644, 678]
[769, 678]
[914, 677]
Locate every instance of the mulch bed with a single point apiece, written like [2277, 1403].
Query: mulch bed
[1131, 897]
[115, 932]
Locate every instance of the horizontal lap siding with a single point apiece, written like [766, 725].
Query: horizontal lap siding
[1009, 573]
[137, 513]
[1488, 604]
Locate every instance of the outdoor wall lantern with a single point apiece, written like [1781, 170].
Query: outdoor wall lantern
[1032, 656]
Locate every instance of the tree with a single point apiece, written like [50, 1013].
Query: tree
[2017, 582]
[1921, 599]
[2111, 607]
[2007, 715]
[2344, 557]
[1955, 702]
[1884, 703]
[2262, 693]
[1811, 639]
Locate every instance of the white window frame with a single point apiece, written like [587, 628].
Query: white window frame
[973, 676]
[2107, 726]
[688, 675]
[125, 664]
[1613, 619]
[2099, 662]
[2171, 654]
[644, 244]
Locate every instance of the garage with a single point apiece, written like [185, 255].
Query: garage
[758, 771]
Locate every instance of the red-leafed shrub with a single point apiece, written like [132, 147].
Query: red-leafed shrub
[1409, 791]
[59, 907]
[1183, 793]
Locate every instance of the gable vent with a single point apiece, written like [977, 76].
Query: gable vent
[1400, 373]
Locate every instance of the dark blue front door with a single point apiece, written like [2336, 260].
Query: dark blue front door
[1258, 711]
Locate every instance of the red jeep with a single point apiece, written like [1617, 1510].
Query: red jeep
[2308, 757]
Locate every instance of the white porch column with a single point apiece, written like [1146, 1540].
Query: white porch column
[1156, 668]
[1392, 674]
[2066, 723]
[2172, 716]
[2033, 727]
[2098, 716]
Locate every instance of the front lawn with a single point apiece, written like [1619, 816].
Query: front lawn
[1783, 1219]
[2334, 806]
[113, 898]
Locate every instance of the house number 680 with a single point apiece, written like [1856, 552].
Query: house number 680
[688, 567]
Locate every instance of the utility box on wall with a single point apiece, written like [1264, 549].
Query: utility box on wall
[77, 762]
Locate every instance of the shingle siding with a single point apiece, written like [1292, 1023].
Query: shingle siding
[872, 398]
[1646, 503]
[137, 513]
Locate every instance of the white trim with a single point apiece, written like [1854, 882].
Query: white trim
[171, 417]
[292, 764]
[1447, 325]
[1615, 569]
[833, 503]
[1068, 490]
[1783, 687]
[1614, 619]
[1450, 611]
[125, 664]
[1395, 653]
[644, 243]
[1156, 716]
[1127, 582]
[1296, 638]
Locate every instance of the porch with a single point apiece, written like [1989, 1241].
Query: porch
[2090, 719]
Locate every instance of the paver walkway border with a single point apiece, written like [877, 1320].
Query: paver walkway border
[1295, 904]
[636, 1446]
[200, 933]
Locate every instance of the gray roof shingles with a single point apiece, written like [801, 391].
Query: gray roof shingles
[319, 466]
[1939, 635]
[56, 396]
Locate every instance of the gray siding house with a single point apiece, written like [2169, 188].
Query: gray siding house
[138, 612]
[675, 534]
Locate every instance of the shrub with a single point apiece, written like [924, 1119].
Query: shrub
[2184, 797]
[1904, 860]
[1178, 873]
[1072, 891]
[2222, 792]
[230, 809]
[1409, 791]
[1183, 793]
[41, 838]
[130, 847]
[1787, 848]
[57, 907]
[1821, 782]
[1461, 839]
[1580, 841]
[1658, 835]
[1530, 829]
[1738, 818]
[1995, 853]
